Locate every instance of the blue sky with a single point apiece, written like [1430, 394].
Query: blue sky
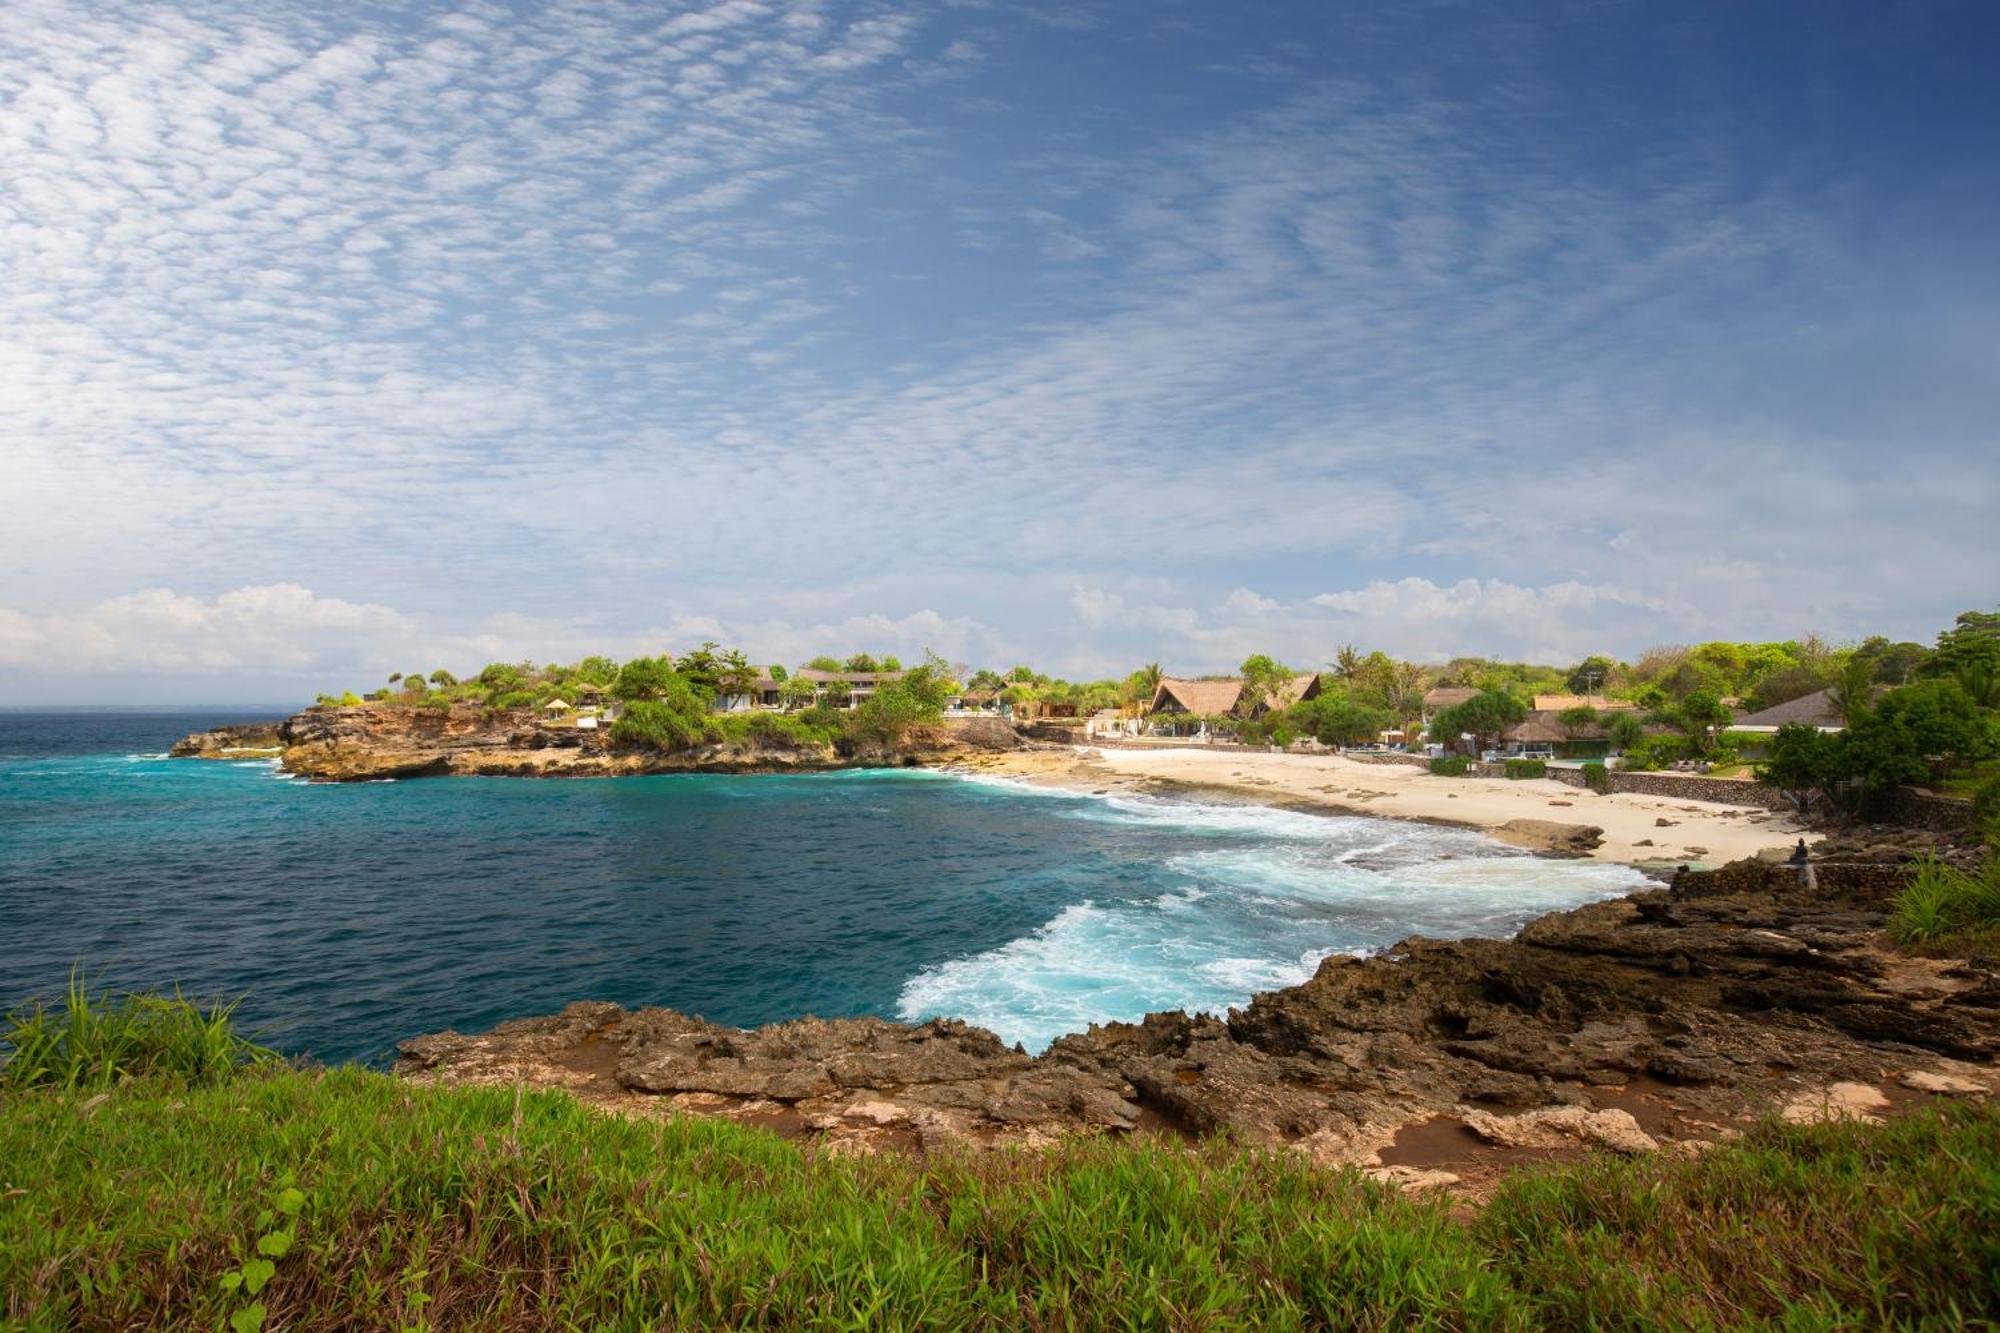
[337, 339]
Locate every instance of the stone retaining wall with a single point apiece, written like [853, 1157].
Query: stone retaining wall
[1879, 881]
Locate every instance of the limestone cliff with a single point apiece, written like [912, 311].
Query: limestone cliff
[348, 744]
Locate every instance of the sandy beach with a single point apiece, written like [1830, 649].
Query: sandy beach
[1637, 830]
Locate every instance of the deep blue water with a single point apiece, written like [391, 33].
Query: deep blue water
[350, 916]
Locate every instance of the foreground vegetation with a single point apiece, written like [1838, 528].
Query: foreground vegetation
[1949, 911]
[163, 1184]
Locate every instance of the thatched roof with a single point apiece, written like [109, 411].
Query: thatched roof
[1537, 729]
[1448, 696]
[1294, 690]
[1205, 697]
[1814, 710]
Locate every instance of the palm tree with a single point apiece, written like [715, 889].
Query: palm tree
[1853, 689]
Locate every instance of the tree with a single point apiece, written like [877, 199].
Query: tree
[1943, 723]
[1802, 760]
[860, 662]
[598, 671]
[1484, 716]
[717, 672]
[1022, 673]
[797, 692]
[1347, 662]
[1591, 676]
[443, 679]
[892, 664]
[1624, 730]
[1784, 685]
[413, 684]
[1576, 721]
[1699, 716]
[778, 673]
[645, 678]
[823, 664]
[1264, 680]
[899, 707]
[1891, 663]
[1853, 689]
[1337, 719]
[395, 676]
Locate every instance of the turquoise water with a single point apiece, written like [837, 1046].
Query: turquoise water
[352, 916]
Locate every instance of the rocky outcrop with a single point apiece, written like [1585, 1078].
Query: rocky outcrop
[250, 740]
[1687, 1007]
[1547, 835]
[371, 742]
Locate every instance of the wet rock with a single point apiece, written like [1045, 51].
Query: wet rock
[1546, 835]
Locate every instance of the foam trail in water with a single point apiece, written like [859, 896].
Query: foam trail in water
[1279, 892]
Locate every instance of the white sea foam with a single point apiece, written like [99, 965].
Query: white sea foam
[1279, 892]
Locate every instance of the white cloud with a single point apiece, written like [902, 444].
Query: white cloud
[531, 324]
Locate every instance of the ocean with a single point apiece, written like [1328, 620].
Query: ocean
[348, 917]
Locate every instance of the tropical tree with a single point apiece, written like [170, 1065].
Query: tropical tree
[1591, 676]
[1853, 689]
[860, 662]
[1336, 718]
[1802, 760]
[1264, 679]
[823, 664]
[645, 678]
[1576, 721]
[1485, 716]
[1624, 730]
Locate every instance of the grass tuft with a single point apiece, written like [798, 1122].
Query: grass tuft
[1947, 910]
[90, 1041]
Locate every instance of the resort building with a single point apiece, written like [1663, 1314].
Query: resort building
[1440, 697]
[861, 685]
[1176, 704]
[1817, 709]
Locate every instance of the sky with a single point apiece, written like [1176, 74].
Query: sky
[342, 339]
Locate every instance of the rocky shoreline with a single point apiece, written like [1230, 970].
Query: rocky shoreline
[329, 743]
[1669, 1017]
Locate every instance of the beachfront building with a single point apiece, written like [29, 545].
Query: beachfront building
[860, 686]
[1817, 709]
[1440, 697]
[1182, 707]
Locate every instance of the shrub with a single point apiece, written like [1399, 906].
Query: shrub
[1598, 778]
[1948, 909]
[1527, 768]
[92, 1042]
[657, 724]
[1450, 766]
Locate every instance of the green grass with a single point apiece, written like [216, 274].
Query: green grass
[1949, 910]
[347, 1199]
[92, 1041]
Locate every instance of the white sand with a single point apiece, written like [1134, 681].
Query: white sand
[1701, 832]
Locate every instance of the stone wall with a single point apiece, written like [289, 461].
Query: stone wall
[1868, 880]
[1911, 808]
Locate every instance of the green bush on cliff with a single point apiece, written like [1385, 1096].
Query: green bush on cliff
[664, 725]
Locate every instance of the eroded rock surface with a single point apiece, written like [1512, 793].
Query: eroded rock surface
[1664, 1015]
